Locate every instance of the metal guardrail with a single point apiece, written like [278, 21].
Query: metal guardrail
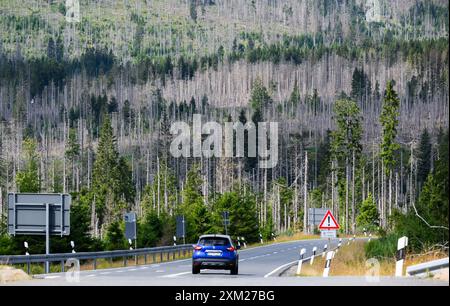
[94, 256]
[427, 267]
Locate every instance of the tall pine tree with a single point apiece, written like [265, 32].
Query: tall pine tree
[111, 179]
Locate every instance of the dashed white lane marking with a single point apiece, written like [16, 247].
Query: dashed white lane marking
[132, 269]
[52, 276]
[143, 268]
[275, 253]
[104, 273]
[159, 271]
[90, 275]
[120, 271]
[176, 274]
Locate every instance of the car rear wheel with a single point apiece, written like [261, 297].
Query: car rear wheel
[234, 270]
[195, 270]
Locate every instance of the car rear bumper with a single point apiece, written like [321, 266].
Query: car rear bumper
[214, 263]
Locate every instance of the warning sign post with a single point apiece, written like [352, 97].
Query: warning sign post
[328, 226]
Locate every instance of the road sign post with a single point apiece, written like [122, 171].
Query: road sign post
[47, 236]
[181, 228]
[328, 226]
[315, 215]
[39, 214]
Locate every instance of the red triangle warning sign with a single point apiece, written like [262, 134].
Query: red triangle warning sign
[328, 222]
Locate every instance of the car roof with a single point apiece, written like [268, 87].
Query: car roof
[215, 236]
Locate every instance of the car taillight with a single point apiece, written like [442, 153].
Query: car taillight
[231, 249]
[197, 248]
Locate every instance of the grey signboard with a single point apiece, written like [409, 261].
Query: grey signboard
[130, 225]
[27, 214]
[181, 227]
[315, 215]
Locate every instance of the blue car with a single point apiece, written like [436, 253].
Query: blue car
[215, 252]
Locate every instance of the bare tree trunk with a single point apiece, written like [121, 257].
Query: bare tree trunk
[390, 193]
[346, 195]
[158, 183]
[383, 186]
[305, 195]
[353, 193]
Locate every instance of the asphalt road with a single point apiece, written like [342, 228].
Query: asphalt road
[257, 266]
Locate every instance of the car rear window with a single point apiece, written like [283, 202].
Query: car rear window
[214, 241]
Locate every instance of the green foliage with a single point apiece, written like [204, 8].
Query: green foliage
[324, 156]
[150, 230]
[346, 141]
[368, 216]
[361, 86]
[197, 215]
[347, 137]
[111, 179]
[6, 245]
[424, 157]
[28, 179]
[389, 121]
[432, 206]
[72, 147]
[313, 102]
[242, 213]
[115, 237]
[383, 247]
[260, 98]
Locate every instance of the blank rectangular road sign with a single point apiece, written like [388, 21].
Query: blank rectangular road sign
[27, 213]
[315, 215]
[181, 227]
[130, 225]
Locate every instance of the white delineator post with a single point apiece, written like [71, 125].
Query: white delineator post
[339, 245]
[370, 237]
[299, 266]
[314, 251]
[326, 271]
[325, 247]
[243, 241]
[25, 244]
[260, 239]
[400, 256]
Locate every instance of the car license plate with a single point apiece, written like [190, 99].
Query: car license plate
[214, 253]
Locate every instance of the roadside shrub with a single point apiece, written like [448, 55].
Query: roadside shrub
[384, 247]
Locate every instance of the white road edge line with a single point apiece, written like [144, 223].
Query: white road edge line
[52, 276]
[176, 274]
[279, 268]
